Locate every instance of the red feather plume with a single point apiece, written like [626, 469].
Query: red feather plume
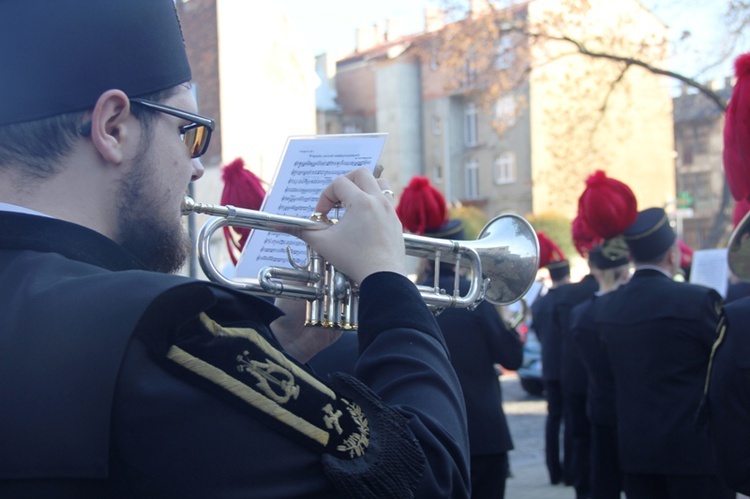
[422, 207]
[686, 254]
[243, 189]
[607, 205]
[584, 238]
[737, 132]
[548, 251]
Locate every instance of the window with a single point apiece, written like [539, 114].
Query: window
[687, 153]
[505, 168]
[436, 125]
[472, 179]
[434, 60]
[504, 53]
[470, 72]
[351, 129]
[699, 185]
[505, 110]
[470, 124]
[437, 174]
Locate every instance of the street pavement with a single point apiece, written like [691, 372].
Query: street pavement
[526, 415]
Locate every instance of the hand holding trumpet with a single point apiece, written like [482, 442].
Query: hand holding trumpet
[369, 237]
[501, 264]
[366, 240]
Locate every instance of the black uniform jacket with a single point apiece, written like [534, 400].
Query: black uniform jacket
[600, 400]
[572, 371]
[550, 336]
[341, 356]
[729, 397]
[119, 382]
[477, 339]
[658, 334]
[737, 290]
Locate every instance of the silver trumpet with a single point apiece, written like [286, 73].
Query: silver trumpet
[502, 264]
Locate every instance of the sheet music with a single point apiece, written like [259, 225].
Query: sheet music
[307, 166]
[710, 268]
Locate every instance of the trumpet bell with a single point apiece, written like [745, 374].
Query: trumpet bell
[738, 249]
[509, 251]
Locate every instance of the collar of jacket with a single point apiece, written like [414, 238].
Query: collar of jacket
[20, 231]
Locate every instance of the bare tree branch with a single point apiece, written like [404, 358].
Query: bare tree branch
[631, 61]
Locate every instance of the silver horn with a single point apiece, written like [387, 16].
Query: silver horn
[738, 249]
[502, 264]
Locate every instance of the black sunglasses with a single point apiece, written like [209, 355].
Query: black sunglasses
[196, 135]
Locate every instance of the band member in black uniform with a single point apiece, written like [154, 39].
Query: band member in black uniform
[477, 340]
[610, 206]
[658, 335]
[121, 380]
[728, 383]
[729, 398]
[610, 271]
[544, 323]
[573, 377]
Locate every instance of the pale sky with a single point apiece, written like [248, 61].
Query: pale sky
[330, 25]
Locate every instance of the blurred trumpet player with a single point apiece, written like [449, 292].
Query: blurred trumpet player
[547, 327]
[477, 340]
[121, 380]
[727, 387]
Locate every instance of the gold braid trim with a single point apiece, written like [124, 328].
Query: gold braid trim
[252, 335]
[244, 392]
[722, 328]
[650, 231]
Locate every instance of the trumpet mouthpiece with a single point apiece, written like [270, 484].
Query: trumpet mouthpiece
[187, 205]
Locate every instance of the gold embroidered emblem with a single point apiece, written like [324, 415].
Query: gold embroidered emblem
[332, 419]
[270, 373]
[357, 443]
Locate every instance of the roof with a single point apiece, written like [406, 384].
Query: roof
[697, 106]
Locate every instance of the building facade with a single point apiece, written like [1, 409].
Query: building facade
[553, 131]
[256, 77]
[699, 142]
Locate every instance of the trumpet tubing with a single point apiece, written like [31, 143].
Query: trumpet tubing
[738, 249]
[502, 265]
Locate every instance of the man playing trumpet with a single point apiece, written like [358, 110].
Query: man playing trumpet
[122, 380]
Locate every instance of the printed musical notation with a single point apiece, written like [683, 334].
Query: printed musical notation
[710, 268]
[307, 166]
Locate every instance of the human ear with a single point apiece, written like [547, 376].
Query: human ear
[108, 125]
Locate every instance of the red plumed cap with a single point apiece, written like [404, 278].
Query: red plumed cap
[583, 238]
[607, 205]
[737, 132]
[741, 208]
[422, 208]
[548, 251]
[243, 189]
[686, 254]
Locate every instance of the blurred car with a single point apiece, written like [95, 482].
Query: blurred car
[530, 372]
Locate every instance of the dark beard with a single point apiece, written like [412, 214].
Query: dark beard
[159, 246]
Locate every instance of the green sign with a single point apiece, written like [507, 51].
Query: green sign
[684, 200]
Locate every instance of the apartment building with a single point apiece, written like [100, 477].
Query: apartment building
[255, 76]
[699, 142]
[553, 136]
